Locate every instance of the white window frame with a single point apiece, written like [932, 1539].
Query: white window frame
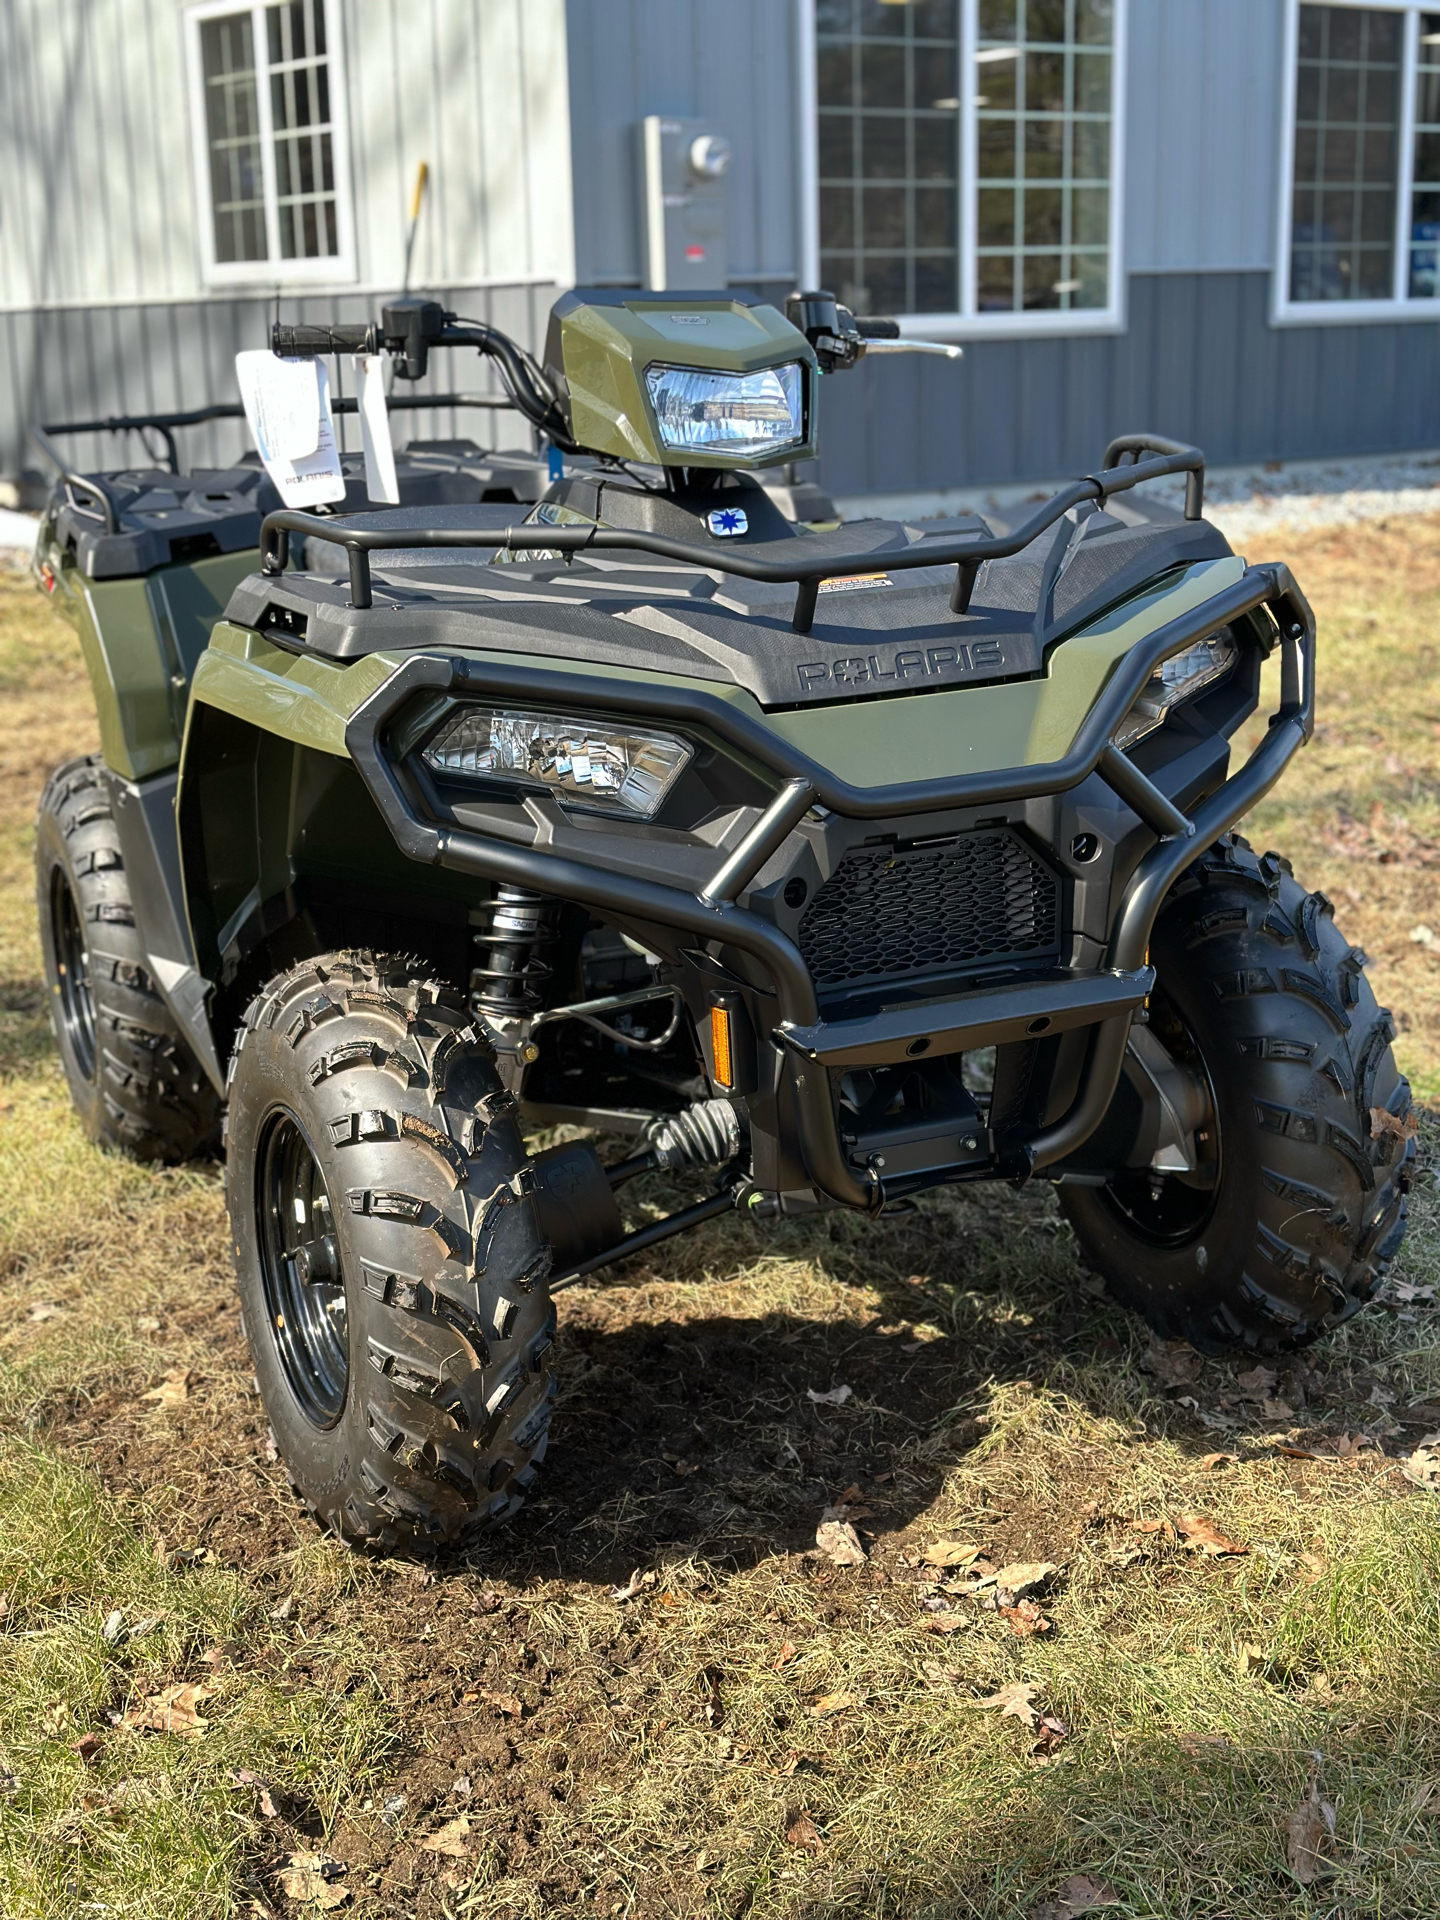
[330, 269]
[969, 323]
[1285, 312]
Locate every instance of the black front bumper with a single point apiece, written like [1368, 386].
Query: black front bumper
[1102, 999]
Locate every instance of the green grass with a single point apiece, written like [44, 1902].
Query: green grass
[652, 1772]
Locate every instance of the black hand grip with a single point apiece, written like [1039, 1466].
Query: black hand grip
[358, 338]
[876, 327]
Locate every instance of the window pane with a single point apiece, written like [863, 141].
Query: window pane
[1423, 266]
[1347, 115]
[889, 202]
[300, 111]
[237, 202]
[1052, 152]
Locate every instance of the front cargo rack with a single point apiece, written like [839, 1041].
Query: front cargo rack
[967, 553]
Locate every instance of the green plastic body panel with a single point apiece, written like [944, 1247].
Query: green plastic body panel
[142, 640]
[605, 345]
[922, 736]
[1019, 723]
[298, 697]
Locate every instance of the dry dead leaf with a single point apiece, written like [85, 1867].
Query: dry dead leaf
[1203, 1536]
[944, 1622]
[1197, 1745]
[245, 1778]
[1209, 1461]
[836, 1396]
[173, 1390]
[1312, 1566]
[840, 1543]
[1385, 1125]
[1022, 1577]
[1422, 1467]
[829, 1703]
[949, 1553]
[87, 1746]
[636, 1584]
[175, 1710]
[1175, 1363]
[795, 1762]
[939, 1676]
[1258, 1383]
[801, 1830]
[785, 1655]
[1081, 1893]
[43, 1310]
[453, 1839]
[1308, 1834]
[309, 1879]
[1025, 1618]
[1014, 1699]
[1152, 1526]
[505, 1703]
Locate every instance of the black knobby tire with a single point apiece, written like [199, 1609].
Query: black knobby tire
[134, 1080]
[1307, 1208]
[400, 1331]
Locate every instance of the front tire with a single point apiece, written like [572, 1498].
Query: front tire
[1306, 1203]
[392, 1274]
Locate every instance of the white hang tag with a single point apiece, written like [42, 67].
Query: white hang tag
[380, 481]
[287, 403]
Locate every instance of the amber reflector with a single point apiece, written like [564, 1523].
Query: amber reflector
[721, 1050]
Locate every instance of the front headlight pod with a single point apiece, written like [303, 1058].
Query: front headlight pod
[589, 764]
[742, 413]
[1179, 678]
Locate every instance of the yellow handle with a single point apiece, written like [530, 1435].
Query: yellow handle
[422, 175]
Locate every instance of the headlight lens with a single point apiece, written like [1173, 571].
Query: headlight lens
[745, 413]
[587, 763]
[1179, 678]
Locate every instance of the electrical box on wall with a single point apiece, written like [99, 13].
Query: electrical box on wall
[684, 237]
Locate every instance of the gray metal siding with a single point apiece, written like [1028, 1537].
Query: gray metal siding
[1203, 98]
[1198, 361]
[734, 64]
[78, 364]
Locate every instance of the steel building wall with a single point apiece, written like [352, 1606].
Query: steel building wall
[1202, 133]
[733, 63]
[102, 304]
[1197, 361]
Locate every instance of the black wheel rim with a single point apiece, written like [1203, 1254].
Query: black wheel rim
[1171, 1209]
[300, 1263]
[72, 963]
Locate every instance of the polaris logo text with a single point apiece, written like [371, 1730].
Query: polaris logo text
[911, 663]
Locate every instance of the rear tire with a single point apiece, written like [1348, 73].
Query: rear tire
[1308, 1204]
[392, 1274]
[134, 1081]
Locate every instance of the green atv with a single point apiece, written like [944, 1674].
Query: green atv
[828, 863]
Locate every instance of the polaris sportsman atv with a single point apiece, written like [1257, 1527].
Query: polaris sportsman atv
[830, 862]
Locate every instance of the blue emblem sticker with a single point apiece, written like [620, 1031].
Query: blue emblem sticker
[727, 522]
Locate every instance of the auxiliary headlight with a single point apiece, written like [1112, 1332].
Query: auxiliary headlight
[585, 762]
[1179, 678]
[745, 413]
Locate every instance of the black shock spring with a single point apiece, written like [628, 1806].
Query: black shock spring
[508, 977]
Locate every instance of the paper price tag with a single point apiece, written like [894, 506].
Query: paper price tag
[287, 403]
[380, 481]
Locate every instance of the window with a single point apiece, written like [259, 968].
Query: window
[986, 203]
[269, 137]
[1360, 214]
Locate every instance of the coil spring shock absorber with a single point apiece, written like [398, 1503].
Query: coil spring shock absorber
[512, 932]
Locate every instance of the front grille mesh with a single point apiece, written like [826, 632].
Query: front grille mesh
[949, 906]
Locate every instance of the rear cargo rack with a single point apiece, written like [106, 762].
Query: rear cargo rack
[166, 424]
[967, 553]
